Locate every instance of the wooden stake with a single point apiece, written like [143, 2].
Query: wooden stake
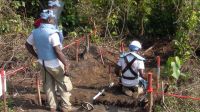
[150, 90]
[163, 97]
[87, 43]
[123, 49]
[77, 47]
[120, 47]
[109, 68]
[101, 56]
[38, 89]
[158, 73]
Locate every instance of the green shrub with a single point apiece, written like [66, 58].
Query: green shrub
[173, 67]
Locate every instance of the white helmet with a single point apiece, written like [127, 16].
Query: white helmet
[135, 45]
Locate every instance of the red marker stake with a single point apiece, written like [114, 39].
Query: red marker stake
[150, 90]
[3, 89]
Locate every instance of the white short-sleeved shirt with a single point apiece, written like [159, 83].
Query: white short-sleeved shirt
[138, 64]
[55, 41]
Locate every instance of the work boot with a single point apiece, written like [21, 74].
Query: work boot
[127, 91]
[140, 90]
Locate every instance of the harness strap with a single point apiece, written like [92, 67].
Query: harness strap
[129, 78]
[46, 71]
[128, 67]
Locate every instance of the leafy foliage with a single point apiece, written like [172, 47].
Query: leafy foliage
[187, 26]
[173, 67]
[10, 21]
[95, 39]
[9, 103]
[69, 18]
[162, 17]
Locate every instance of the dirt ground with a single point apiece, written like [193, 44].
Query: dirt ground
[88, 76]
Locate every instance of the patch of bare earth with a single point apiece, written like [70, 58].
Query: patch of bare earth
[88, 76]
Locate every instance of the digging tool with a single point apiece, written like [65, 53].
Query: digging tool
[89, 106]
[103, 90]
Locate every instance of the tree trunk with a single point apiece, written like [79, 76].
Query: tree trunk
[140, 14]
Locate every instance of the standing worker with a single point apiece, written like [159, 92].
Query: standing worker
[54, 66]
[131, 65]
[56, 6]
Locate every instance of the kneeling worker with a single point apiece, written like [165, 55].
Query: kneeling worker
[131, 67]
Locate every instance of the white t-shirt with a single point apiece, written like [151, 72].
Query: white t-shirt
[138, 64]
[55, 41]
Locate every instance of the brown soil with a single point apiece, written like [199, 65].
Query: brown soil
[88, 76]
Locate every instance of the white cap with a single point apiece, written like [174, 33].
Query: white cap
[46, 14]
[53, 3]
[135, 45]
